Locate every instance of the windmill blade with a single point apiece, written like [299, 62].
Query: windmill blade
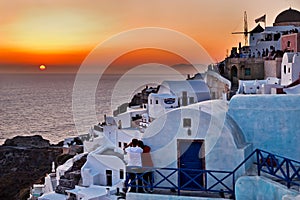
[240, 32]
[246, 28]
[245, 32]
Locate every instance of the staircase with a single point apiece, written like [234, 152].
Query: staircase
[71, 177]
[277, 168]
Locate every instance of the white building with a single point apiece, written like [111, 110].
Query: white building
[290, 68]
[104, 167]
[173, 94]
[215, 140]
[159, 104]
[258, 86]
[188, 92]
[286, 22]
[268, 39]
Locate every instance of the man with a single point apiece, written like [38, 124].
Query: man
[134, 164]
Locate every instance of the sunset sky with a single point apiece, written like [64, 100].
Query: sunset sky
[60, 34]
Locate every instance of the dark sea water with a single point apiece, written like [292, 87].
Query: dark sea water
[41, 104]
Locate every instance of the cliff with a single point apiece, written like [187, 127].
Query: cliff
[23, 162]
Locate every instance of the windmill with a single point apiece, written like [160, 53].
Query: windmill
[245, 32]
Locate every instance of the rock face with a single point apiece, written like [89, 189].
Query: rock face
[35, 141]
[142, 97]
[23, 162]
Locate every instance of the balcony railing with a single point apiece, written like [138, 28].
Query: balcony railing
[282, 168]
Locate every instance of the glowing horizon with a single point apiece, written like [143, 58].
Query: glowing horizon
[63, 34]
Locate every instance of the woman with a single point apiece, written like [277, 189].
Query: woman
[147, 166]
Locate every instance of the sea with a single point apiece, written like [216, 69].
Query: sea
[43, 104]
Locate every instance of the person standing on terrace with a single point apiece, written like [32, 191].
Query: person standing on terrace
[147, 164]
[134, 165]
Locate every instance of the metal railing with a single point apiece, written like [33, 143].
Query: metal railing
[286, 170]
[198, 181]
[280, 167]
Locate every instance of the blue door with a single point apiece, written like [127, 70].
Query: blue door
[191, 160]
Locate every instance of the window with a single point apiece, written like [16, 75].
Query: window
[156, 101]
[109, 177]
[189, 132]
[288, 44]
[234, 71]
[213, 95]
[121, 174]
[268, 37]
[277, 36]
[169, 100]
[187, 122]
[247, 71]
[289, 71]
[150, 101]
[192, 100]
[120, 144]
[284, 69]
[184, 98]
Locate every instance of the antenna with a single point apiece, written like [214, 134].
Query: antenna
[245, 32]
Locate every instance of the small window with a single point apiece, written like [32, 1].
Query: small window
[125, 144]
[247, 71]
[289, 71]
[191, 99]
[284, 69]
[187, 122]
[189, 132]
[277, 36]
[120, 144]
[288, 44]
[169, 100]
[109, 177]
[184, 98]
[121, 174]
[156, 101]
[213, 95]
[150, 101]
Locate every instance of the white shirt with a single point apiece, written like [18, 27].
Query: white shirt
[134, 156]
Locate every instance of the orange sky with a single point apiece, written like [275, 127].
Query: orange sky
[129, 60]
[60, 34]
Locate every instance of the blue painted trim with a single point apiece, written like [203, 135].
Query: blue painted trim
[266, 162]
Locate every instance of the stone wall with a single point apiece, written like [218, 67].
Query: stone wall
[273, 68]
[255, 65]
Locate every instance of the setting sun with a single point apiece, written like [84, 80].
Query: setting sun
[42, 67]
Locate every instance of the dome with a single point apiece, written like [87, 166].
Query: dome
[288, 16]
